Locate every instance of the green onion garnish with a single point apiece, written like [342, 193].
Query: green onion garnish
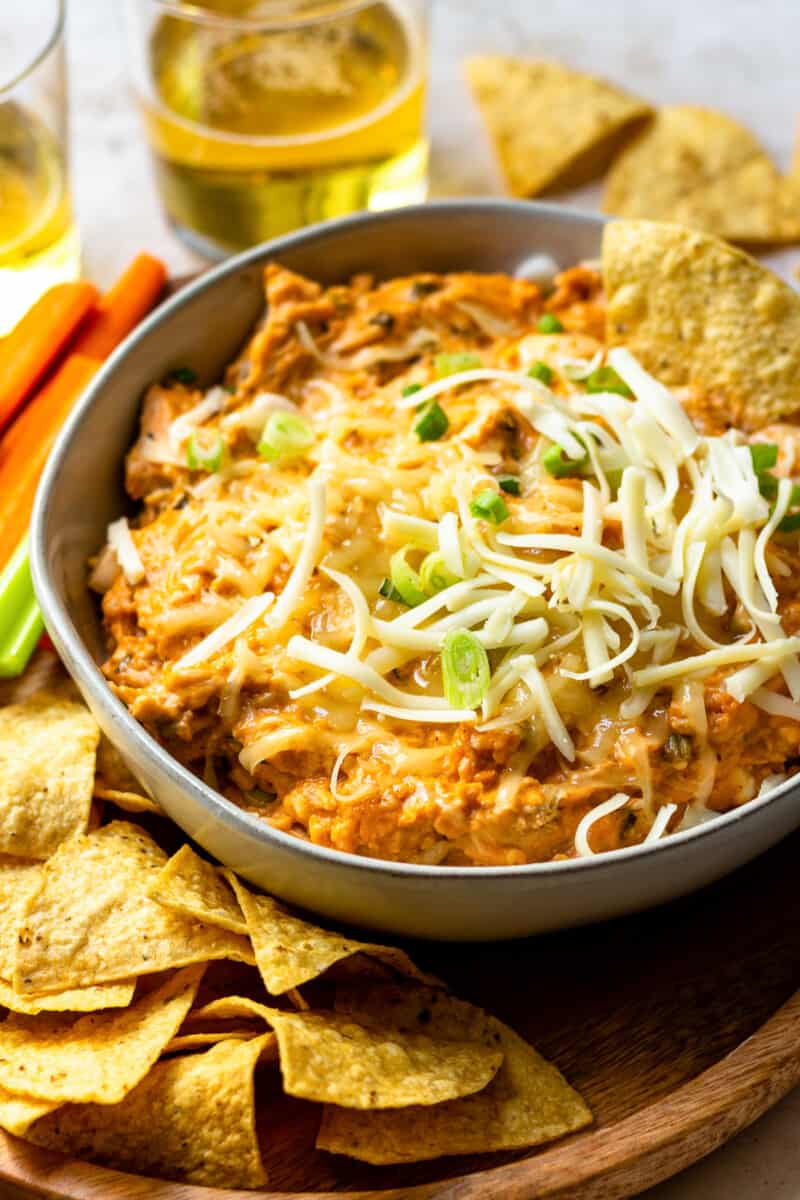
[411, 389]
[388, 590]
[286, 435]
[454, 364]
[434, 575]
[556, 463]
[465, 669]
[768, 486]
[614, 478]
[432, 423]
[205, 457]
[549, 323]
[405, 580]
[764, 456]
[489, 506]
[184, 375]
[790, 524]
[606, 379]
[509, 484]
[542, 372]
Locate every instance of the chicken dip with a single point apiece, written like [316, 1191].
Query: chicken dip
[466, 570]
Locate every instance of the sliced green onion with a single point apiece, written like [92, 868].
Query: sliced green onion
[549, 323]
[790, 524]
[434, 575]
[411, 389]
[465, 669]
[556, 463]
[764, 456]
[286, 435]
[606, 379]
[489, 506]
[509, 484]
[405, 580]
[454, 364]
[388, 590]
[432, 423]
[184, 375]
[614, 478]
[542, 372]
[768, 486]
[205, 457]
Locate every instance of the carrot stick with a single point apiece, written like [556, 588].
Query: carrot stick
[122, 308]
[37, 340]
[25, 446]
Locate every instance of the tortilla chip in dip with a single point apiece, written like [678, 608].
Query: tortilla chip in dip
[99, 1057]
[192, 1118]
[528, 1102]
[699, 313]
[92, 922]
[290, 951]
[190, 885]
[699, 167]
[551, 127]
[47, 757]
[330, 1057]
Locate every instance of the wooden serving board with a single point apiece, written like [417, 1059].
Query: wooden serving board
[679, 1026]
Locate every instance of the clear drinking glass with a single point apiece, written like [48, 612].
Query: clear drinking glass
[265, 115]
[38, 237]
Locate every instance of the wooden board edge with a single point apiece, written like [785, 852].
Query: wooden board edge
[668, 1136]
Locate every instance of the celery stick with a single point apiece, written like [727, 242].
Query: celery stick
[16, 590]
[17, 648]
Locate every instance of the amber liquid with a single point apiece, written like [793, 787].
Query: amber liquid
[256, 133]
[38, 239]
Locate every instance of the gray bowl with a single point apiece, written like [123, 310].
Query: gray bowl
[82, 491]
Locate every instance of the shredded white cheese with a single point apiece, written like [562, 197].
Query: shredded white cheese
[582, 846]
[121, 542]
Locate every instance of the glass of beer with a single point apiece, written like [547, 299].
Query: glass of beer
[38, 237]
[265, 115]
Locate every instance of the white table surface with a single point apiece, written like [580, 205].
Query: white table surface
[741, 55]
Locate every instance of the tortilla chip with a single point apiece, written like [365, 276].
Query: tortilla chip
[89, 999]
[92, 922]
[528, 1101]
[190, 885]
[97, 1058]
[190, 1041]
[230, 1008]
[18, 1113]
[330, 1058]
[551, 127]
[47, 754]
[192, 1118]
[114, 782]
[699, 313]
[698, 167]
[18, 881]
[415, 1009]
[290, 951]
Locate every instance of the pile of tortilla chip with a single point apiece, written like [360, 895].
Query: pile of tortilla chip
[555, 128]
[149, 997]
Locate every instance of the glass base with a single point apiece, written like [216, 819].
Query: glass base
[222, 213]
[21, 285]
